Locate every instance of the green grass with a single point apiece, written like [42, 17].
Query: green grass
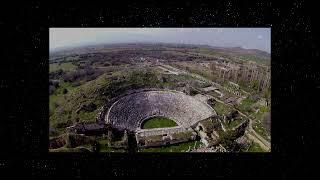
[87, 116]
[255, 59]
[177, 53]
[235, 123]
[246, 105]
[63, 107]
[104, 147]
[206, 52]
[214, 94]
[63, 66]
[64, 85]
[181, 147]
[58, 97]
[260, 113]
[264, 109]
[53, 99]
[97, 91]
[221, 109]
[74, 99]
[158, 122]
[257, 124]
[226, 138]
[255, 148]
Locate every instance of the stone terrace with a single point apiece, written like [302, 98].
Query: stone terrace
[131, 110]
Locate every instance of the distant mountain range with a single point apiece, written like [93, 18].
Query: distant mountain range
[235, 51]
[241, 51]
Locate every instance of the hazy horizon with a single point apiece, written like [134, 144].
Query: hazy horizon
[247, 38]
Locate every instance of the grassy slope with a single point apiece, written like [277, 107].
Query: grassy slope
[255, 148]
[70, 102]
[158, 122]
[235, 123]
[220, 108]
[257, 124]
[57, 97]
[63, 66]
[255, 59]
[246, 107]
[177, 53]
[91, 92]
[205, 52]
[214, 53]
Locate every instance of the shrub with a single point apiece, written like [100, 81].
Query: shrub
[106, 64]
[86, 74]
[56, 74]
[51, 89]
[65, 91]
[56, 105]
[62, 125]
[90, 107]
[211, 102]
[227, 139]
[74, 140]
[75, 84]
[193, 92]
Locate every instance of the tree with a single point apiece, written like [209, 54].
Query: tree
[51, 89]
[227, 139]
[255, 85]
[55, 105]
[65, 91]
[266, 95]
[96, 147]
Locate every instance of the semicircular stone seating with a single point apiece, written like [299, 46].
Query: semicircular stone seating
[130, 111]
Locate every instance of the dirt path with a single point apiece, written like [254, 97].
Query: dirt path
[168, 71]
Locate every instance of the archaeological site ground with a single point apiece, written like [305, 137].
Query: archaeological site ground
[159, 97]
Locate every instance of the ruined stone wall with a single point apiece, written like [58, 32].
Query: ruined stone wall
[69, 140]
[161, 137]
[100, 114]
[241, 128]
[87, 128]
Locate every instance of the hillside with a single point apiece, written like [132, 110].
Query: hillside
[258, 56]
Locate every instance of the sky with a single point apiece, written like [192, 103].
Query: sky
[248, 38]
